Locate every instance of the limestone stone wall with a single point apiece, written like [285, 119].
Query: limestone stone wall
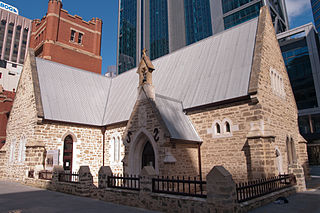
[21, 123]
[146, 124]
[227, 149]
[260, 125]
[274, 93]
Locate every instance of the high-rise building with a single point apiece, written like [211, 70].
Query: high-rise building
[301, 53]
[163, 26]
[67, 39]
[315, 4]
[15, 32]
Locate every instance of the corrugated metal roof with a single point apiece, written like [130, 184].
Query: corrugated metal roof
[72, 95]
[178, 123]
[214, 69]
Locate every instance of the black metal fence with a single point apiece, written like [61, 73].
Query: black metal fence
[131, 182]
[180, 186]
[253, 189]
[70, 177]
[45, 175]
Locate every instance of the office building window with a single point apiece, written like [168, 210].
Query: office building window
[198, 20]
[228, 5]
[9, 40]
[127, 35]
[16, 43]
[73, 35]
[24, 44]
[2, 31]
[242, 16]
[296, 57]
[80, 36]
[159, 35]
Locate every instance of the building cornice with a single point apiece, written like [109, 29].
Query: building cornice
[70, 22]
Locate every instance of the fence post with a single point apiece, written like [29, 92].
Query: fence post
[55, 176]
[221, 190]
[85, 181]
[298, 172]
[104, 172]
[146, 176]
[37, 169]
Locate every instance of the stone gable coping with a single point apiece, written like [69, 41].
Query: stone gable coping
[36, 85]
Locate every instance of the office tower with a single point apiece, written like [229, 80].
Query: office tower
[300, 49]
[163, 26]
[15, 32]
[67, 39]
[315, 4]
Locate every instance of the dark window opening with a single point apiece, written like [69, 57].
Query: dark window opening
[80, 38]
[218, 130]
[228, 127]
[148, 158]
[73, 35]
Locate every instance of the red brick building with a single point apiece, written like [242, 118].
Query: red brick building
[6, 100]
[67, 39]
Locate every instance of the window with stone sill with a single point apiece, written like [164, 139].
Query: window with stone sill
[22, 150]
[221, 129]
[80, 36]
[73, 35]
[277, 84]
[115, 149]
[12, 150]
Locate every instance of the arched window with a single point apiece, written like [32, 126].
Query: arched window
[217, 128]
[227, 127]
[12, 150]
[68, 153]
[115, 149]
[22, 149]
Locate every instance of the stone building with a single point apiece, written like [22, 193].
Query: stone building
[67, 39]
[6, 100]
[226, 100]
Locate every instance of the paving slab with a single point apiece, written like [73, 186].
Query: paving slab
[18, 198]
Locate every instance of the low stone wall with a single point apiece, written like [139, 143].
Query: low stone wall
[261, 201]
[221, 192]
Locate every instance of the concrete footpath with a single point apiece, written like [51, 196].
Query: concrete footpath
[303, 202]
[18, 198]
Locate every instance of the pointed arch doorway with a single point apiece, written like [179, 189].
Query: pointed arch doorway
[143, 152]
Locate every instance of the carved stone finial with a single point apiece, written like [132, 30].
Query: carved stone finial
[145, 69]
[144, 52]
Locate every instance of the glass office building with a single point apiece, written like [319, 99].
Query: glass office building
[197, 20]
[300, 49]
[315, 4]
[163, 26]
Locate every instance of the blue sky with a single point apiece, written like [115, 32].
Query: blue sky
[299, 13]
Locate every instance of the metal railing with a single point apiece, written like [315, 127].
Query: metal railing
[180, 186]
[253, 189]
[45, 175]
[70, 177]
[131, 182]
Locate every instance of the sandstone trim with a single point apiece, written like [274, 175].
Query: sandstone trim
[36, 85]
